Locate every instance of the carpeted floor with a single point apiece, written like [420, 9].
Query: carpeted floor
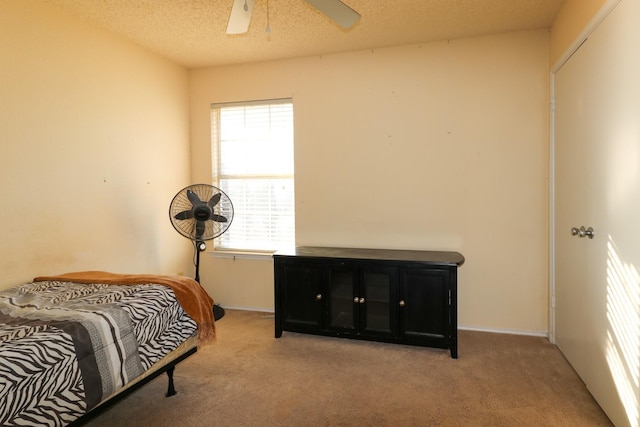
[249, 378]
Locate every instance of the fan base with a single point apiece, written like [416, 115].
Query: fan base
[218, 312]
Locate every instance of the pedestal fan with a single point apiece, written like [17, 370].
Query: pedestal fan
[201, 212]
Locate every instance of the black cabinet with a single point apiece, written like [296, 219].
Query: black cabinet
[406, 297]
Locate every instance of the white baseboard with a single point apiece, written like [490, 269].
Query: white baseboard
[465, 328]
[262, 310]
[506, 331]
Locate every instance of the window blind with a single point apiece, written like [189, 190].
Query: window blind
[252, 145]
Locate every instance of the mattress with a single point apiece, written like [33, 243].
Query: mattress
[66, 347]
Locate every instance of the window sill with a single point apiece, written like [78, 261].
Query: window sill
[255, 255]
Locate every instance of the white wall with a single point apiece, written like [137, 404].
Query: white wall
[94, 143]
[439, 146]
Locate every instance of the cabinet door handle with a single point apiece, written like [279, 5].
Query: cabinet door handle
[402, 303]
[361, 301]
[319, 297]
[356, 300]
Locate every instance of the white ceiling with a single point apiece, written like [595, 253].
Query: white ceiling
[192, 32]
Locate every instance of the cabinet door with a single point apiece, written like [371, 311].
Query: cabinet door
[378, 292]
[301, 294]
[424, 296]
[341, 300]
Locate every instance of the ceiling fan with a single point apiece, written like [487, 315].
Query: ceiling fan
[335, 10]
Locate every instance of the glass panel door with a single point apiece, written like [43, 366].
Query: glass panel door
[379, 307]
[341, 307]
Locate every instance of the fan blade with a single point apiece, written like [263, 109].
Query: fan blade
[214, 200]
[240, 16]
[218, 218]
[337, 11]
[184, 215]
[200, 226]
[193, 198]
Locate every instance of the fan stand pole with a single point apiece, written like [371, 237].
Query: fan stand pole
[218, 311]
[197, 278]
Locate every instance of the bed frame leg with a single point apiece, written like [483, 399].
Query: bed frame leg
[171, 390]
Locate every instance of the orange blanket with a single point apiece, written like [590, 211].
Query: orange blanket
[195, 301]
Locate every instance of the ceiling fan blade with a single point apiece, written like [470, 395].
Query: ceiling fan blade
[337, 11]
[218, 218]
[214, 200]
[240, 16]
[193, 198]
[184, 215]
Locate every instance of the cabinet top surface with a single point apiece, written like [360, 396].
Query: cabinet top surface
[430, 257]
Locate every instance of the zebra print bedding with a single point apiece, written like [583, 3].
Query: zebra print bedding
[66, 346]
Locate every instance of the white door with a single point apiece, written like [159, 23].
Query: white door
[597, 184]
[570, 213]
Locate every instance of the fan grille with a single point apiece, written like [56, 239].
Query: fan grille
[184, 210]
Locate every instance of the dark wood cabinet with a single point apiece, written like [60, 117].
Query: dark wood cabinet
[405, 297]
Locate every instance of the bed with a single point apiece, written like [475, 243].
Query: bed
[72, 344]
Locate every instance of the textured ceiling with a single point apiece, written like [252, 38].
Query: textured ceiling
[192, 32]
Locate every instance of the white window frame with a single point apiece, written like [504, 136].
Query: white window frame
[243, 213]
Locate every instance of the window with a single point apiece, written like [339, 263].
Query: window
[252, 146]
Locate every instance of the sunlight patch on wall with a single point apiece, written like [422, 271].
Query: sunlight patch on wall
[623, 337]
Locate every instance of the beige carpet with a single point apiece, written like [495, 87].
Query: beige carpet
[249, 378]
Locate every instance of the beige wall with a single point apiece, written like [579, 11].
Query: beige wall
[439, 146]
[94, 143]
[434, 146]
[570, 21]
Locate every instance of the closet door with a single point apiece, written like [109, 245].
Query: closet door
[570, 213]
[597, 184]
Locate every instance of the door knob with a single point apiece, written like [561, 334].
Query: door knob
[582, 232]
[588, 232]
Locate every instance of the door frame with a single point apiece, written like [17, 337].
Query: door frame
[597, 19]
